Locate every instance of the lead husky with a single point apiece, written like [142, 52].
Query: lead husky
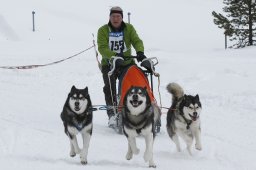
[77, 118]
[139, 116]
[183, 118]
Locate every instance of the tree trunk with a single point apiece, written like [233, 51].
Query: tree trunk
[250, 23]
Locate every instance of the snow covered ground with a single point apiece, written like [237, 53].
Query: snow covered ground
[190, 51]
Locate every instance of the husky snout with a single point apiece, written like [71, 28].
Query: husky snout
[135, 97]
[77, 104]
[195, 114]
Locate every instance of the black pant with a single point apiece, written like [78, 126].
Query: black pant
[107, 90]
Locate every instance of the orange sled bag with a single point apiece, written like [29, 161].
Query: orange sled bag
[134, 76]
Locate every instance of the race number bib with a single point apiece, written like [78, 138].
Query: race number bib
[116, 42]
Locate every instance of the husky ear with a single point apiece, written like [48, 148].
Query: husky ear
[185, 96]
[197, 97]
[86, 89]
[145, 88]
[73, 88]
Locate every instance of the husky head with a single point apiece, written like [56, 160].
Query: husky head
[79, 100]
[191, 107]
[136, 100]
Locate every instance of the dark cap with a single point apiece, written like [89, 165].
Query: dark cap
[116, 9]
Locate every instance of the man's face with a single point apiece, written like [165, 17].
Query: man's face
[116, 20]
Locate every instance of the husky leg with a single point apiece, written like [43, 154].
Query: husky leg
[132, 143]
[149, 147]
[72, 150]
[129, 152]
[148, 155]
[188, 140]
[86, 140]
[74, 145]
[175, 139]
[189, 146]
[197, 134]
[173, 135]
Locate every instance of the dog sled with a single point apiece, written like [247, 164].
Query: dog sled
[133, 75]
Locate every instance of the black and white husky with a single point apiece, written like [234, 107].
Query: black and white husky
[139, 116]
[77, 118]
[183, 118]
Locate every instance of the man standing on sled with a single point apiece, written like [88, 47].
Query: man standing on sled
[115, 39]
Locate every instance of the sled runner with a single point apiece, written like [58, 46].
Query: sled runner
[134, 76]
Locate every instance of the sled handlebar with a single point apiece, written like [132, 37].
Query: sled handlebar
[114, 64]
[153, 61]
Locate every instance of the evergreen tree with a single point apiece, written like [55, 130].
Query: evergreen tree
[239, 23]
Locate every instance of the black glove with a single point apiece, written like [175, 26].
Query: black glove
[148, 65]
[140, 56]
[119, 63]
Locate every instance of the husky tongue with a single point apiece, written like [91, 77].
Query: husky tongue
[77, 108]
[135, 103]
[194, 118]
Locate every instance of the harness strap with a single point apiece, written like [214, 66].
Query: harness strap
[187, 121]
[160, 99]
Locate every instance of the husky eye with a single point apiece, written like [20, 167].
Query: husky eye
[132, 93]
[83, 98]
[190, 107]
[72, 98]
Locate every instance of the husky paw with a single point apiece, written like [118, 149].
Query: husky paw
[198, 147]
[136, 152]
[83, 162]
[152, 165]
[147, 156]
[72, 154]
[83, 158]
[129, 155]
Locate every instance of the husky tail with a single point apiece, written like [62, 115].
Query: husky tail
[176, 91]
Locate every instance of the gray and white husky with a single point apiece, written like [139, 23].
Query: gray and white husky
[139, 117]
[183, 118]
[77, 118]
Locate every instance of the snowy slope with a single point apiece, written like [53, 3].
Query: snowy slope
[190, 51]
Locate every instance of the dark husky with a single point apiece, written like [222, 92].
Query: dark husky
[77, 118]
[139, 116]
[183, 118]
